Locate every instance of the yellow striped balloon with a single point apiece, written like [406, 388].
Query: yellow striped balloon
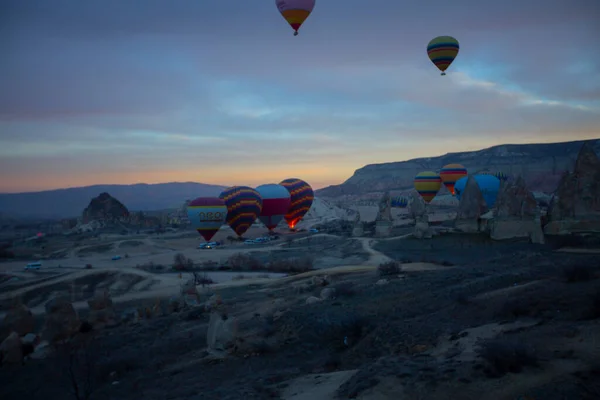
[428, 184]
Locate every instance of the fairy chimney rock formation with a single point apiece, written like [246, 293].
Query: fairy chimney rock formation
[576, 204]
[516, 214]
[470, 207]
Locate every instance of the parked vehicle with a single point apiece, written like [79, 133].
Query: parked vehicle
[33, 266]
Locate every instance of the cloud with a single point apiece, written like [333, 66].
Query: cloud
[148, 90]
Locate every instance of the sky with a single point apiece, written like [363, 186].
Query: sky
[213, 91]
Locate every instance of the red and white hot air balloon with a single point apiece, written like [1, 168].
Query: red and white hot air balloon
[276, 203]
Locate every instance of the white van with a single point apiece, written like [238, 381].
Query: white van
[34, 265]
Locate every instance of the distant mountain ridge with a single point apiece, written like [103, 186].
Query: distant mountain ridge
[540, 164]
[66, 203]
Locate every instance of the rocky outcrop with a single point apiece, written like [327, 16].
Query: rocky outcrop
[101, 312]
[221, 332]
[418, 211]
[18, 319]
[576, 205]
[61, 320]
[11, 350]
[516, 214]
[470, 208]
[104, 208]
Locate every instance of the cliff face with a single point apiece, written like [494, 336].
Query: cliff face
[104, 208]
[541, 165]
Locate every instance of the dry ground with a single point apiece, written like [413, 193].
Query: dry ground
[496, 322]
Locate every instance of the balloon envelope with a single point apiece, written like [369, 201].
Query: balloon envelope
[276, 203]
[450, 174]
[428, 183]
[442, 50]
[302, 197]
[207, 215]
[488, 184]
[295, 12]
[399, 202]
[244, 205]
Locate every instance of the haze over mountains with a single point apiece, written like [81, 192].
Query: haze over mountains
[64, 203]
[540, 164]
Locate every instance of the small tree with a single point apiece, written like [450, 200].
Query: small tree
[78, 363]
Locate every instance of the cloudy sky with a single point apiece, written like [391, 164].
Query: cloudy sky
[218, 91]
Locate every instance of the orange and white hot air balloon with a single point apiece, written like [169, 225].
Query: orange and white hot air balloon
[295, 12]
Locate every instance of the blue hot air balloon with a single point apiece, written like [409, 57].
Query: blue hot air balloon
[399, 202]
[488, 184]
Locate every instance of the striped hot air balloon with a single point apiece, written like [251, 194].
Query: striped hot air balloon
[244, 205]
[450, 174]
[276, 203]
[399, 202]
[302, 197]
[442, 50]
[428, 183]
[207, 215]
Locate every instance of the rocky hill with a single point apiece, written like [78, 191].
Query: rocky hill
[64, 203]
[541, 165]
[104, 207]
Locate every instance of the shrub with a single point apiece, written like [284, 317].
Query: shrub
[344, 289]
[292, 265]
[244, 262]
[577, 273]
[182, 263]
[504, 356]
[389, 268]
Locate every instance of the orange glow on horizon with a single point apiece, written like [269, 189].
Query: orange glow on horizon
[318, 173]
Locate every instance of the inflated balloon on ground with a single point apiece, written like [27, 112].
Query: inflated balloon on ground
[489, 186]
[450, 174]
[428, 184]
[276, 203]
[244, 205]
[207, 215]
[302, 197]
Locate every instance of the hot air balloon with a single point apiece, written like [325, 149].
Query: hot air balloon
[399, 202]
[302, 197]
[488, 184]
[244, 205]
[428, 183]
[295, 12]
[207, 215]
[450, 174]
[442, 50]
[276, 203]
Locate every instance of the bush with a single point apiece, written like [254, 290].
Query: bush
[389, 268]
[292, 265]
[182, 263]
[504, 356]
[244, 262]
[344, 289]
[577, 273]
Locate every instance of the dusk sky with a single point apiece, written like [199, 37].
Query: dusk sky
[214, 91]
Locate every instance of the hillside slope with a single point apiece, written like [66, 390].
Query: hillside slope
[541, 164]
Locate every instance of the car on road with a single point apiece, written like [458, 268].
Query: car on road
[313, 230]
[115, 258]
[33, 266]
[249, 241]
[205, 246]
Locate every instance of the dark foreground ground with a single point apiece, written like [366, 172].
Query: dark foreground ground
[390, 333]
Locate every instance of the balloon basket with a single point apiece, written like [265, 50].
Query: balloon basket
[443, 73]
[296, 33]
